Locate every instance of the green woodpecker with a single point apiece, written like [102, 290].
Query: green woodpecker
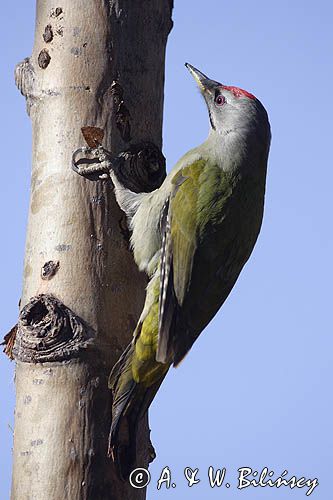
[192, 236]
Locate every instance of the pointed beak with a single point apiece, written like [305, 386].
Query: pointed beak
[205, 84]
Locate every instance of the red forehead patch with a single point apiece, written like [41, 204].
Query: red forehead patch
[239, 92]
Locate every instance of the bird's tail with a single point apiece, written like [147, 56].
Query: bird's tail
[130, 402]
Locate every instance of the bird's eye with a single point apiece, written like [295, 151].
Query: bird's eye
[219, 100]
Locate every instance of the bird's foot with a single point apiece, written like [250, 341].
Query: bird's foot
[92, 163]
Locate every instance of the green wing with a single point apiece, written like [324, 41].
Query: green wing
[197, 208]
[184, 225]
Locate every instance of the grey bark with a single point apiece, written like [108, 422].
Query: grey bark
[98, 63]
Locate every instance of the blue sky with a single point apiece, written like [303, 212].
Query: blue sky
[256, 388]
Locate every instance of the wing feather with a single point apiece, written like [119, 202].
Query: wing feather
[166, 300]
[179, 229]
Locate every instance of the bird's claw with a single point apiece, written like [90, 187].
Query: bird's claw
[92, 163]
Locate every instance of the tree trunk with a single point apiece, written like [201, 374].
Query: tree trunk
[94, 63]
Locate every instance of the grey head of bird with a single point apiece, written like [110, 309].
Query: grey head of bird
[232, 109]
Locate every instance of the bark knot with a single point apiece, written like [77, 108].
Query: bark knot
[48, 34]
[49, 269]
[141, 167]
[44, 59]
[49, 331]
[25, 79]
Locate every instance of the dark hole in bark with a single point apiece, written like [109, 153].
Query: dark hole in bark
[36, 314]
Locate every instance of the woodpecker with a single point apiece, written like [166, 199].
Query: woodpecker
[192, 236]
